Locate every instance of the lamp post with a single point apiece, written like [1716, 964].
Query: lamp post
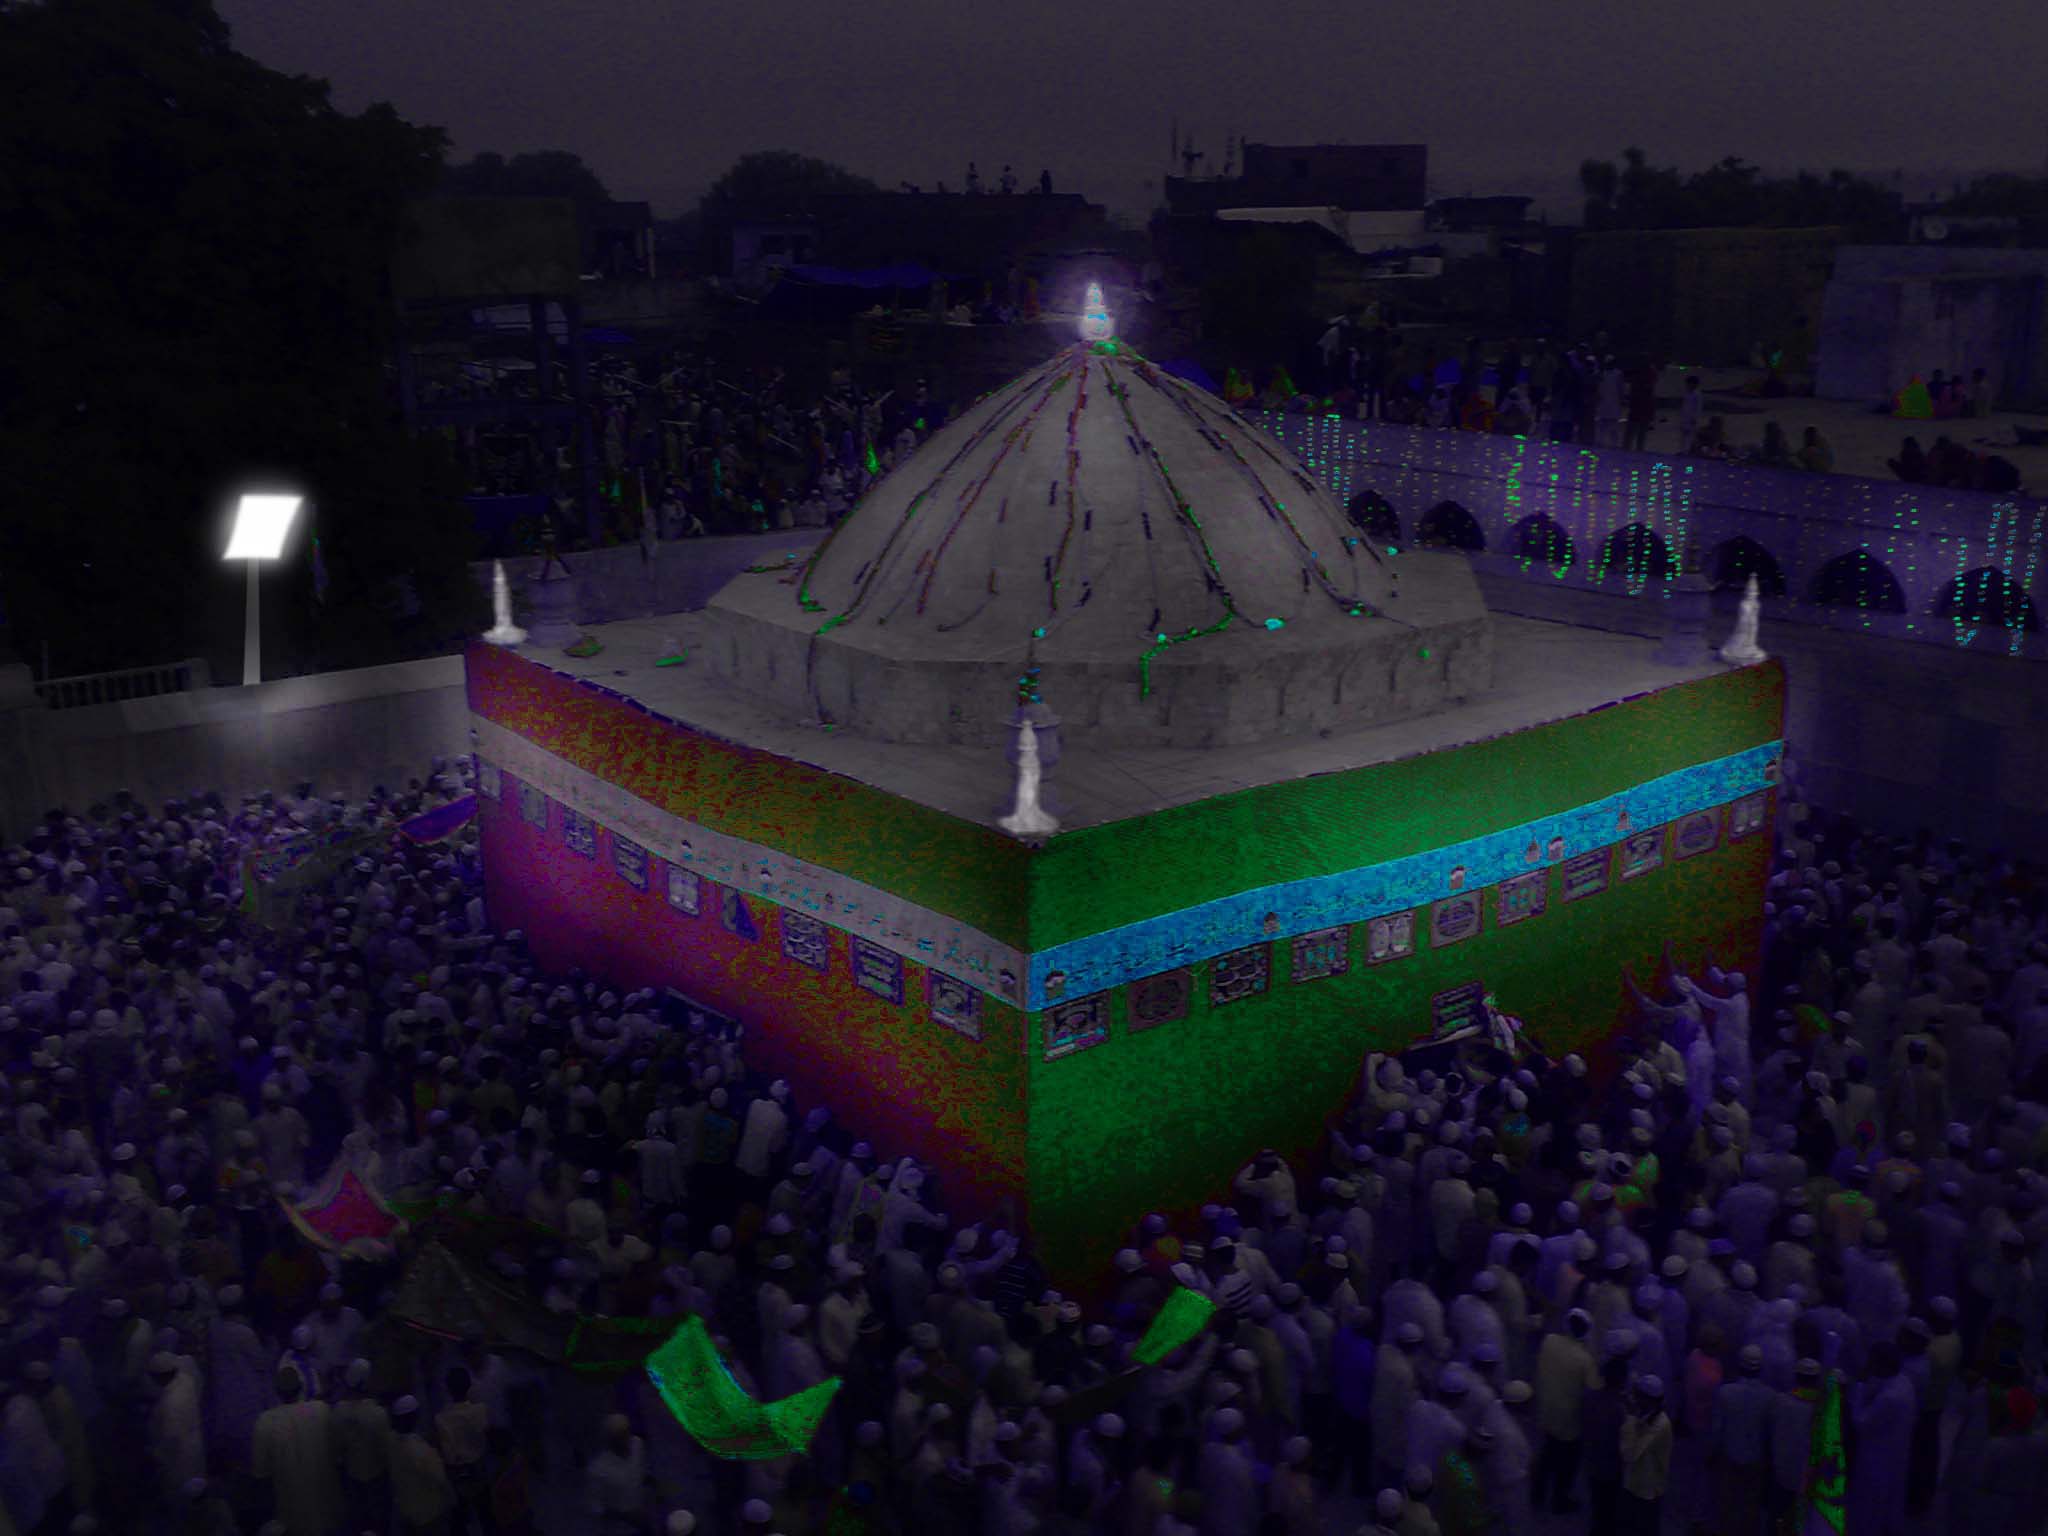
[262, 520]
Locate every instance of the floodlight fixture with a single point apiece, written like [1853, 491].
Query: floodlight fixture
[263, 520]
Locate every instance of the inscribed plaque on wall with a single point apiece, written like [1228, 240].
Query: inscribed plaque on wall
[1642, 852]
[878, 970]
[1455, 918]
[1453, 1010]
[1389, 937]
[1326, 952]
[684, 891]
[533, 805]
[1241, 973]
[1520, 897]
[579, 832]
[1161, 999]
[1746, 816]
[1696, 834]
[1077, 1025]
[953, 1003]
[733, 915]
[630, 860]
[490, 780]
[805, 940]
[1585, 875]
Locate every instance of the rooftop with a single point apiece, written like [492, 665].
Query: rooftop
[1542, 672]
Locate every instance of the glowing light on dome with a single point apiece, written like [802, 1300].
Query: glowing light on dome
[1096, 324]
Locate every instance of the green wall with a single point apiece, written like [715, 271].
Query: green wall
[1161, 1119]
[1095, 878]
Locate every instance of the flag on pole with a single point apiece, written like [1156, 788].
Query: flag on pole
[1824, 1500]
[723, 1416]
[1185, 1314]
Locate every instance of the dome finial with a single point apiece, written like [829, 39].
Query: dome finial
[1096, 324]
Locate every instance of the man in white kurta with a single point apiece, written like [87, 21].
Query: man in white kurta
[177, 1441]
[293, 1451]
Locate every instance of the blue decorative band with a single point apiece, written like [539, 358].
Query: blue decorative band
[1137, 950]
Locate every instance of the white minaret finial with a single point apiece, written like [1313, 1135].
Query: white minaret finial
[1741, 649]
[504, 631]
[1029, 818]
[1096, 324]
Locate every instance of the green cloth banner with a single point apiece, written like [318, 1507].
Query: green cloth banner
[720, 1414]
[1826, 1493]
[1185, 1314]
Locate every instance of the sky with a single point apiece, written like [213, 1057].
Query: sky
[660, 97]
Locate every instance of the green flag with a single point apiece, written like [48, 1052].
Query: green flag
[720, 1414]
[1824, 1500]
[1185, 1314]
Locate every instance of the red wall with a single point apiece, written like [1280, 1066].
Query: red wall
[890, 1074]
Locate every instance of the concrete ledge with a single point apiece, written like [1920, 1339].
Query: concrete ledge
[1229, 689]
[345, 731]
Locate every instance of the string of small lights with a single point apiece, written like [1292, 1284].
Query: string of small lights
[1861, 550]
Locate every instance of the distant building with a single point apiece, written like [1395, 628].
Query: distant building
[977, 236]
[1371, 196]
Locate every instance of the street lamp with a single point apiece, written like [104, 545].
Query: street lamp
[261, 523]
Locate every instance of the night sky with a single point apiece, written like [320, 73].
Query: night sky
[659, 97]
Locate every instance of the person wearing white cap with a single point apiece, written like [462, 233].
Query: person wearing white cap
[293, 1451]
[1291, 1492]
[1396, 1385]
[1565, 1374]
[238, 1378]
[1471, 1319]
[1436, 1419]
[616, 1482]
[763, 1135]
[1226, 1479]
[1646, 1439]
[1738, 1440]
[902, 1206]
[421, 1493]
[680, 1522]
[362, 1448]
[177, 1442]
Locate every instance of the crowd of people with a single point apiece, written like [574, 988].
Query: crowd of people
[1950, 464]
[1506, 1291]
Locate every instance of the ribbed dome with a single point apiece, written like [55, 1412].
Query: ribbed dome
[1102, 502]
[1119, 530]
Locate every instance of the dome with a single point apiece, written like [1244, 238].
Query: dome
[1121, 543]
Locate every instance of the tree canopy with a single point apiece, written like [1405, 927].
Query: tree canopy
[1731, 193]
[769, 174]
[194, 252]
[543, 173]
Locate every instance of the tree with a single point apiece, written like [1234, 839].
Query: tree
[543, 173]
[1730, 194]
[195, 252]
[770, 174]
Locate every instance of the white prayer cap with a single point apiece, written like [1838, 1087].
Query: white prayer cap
[330, 1292]
[405, 1405]
[163, 1363]
[1109, 1426]
[1007, 1432]
[1409, 1332]
[1298, 1450]
[681, 1523]
[1650, 1386]
[1389, 1503]
[1228, 1421]
[357, 1373]
[1129, 1260]
[756, 1512]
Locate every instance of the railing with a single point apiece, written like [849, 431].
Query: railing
[132, 683]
